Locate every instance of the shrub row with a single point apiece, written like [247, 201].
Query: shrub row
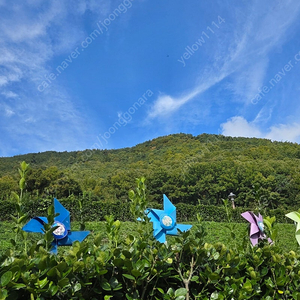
[140, 268]
[97, 210]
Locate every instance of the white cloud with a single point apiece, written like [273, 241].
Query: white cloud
[241, 56]
[285, 132]
[3, 80]
[239, 127]
[166, 104]
[32, 33]
[9, 112]
[265, 114]
[9, 94]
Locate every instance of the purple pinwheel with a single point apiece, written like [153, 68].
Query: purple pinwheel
[256, 227]
[164, 221]
[62, 235]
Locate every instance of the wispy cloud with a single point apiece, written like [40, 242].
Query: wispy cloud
[32, 33]
[166, 105]
[241, 55]
[265, 114]
[9, 94]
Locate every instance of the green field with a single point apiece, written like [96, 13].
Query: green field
[216, 232]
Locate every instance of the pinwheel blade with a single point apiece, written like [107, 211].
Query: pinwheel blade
[173, 231]
[298, 236]
[64, 214]
[156, 228]
[154, 219]
[254, 229]
[154, 214]
[181, 227]
[298, 227]
[259, 218]
[35, 225]
[161, 236]
[248, 216]
[184, 227]
[76, 236]
[169, 208]
[254, 239]
[295, 216]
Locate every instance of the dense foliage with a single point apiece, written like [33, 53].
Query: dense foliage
[97, 210]
[141, 268]
[202, 169]
[138, 267]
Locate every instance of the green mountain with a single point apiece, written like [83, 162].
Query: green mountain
[189, 169]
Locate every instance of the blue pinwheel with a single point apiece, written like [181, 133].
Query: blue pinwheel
[164, 221]
[62, 234]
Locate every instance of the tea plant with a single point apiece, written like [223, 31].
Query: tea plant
[134, 266]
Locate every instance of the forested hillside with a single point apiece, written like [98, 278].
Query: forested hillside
[202, 169]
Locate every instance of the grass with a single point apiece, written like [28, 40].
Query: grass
[216, 232]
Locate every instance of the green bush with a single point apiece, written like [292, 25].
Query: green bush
[97, 210]
[139, 267]
[186, 212]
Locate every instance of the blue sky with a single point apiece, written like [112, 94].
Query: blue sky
[89, 74]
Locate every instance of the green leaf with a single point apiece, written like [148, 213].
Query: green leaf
[214, 277]
[118, 262]
[102, 272]
[22, 183]
[131, 194]
[16, 196]
[128, 276]
[20, 221]
[6, 278]
[214, 295]
[53, 289]
[77, 287]
[24, 166]
[127, 254]
[296, 295]
[43, 282]
[105, 285]
[129, 297]
[269, 225]
[3, 294]
[136, 273]
[113, 282]
[180, 292]
[171, 292]
[61, 266]
[107, 297]
[247, 286]
[18, 286]
[63, 282]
